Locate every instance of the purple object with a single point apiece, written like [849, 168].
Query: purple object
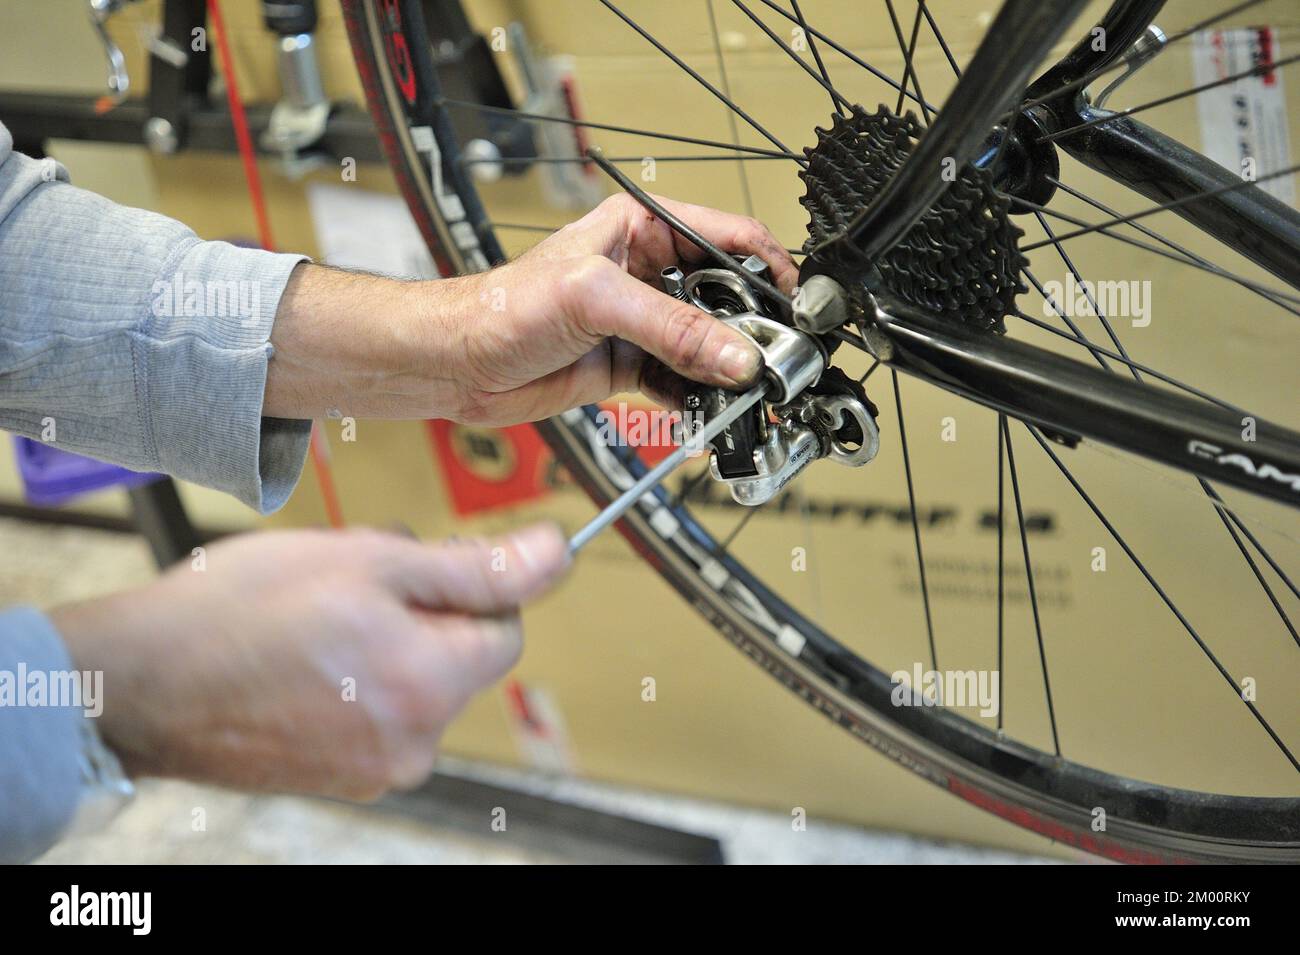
[53, 476]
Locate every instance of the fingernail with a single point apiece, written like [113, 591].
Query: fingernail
[739, 362]
[541, 547]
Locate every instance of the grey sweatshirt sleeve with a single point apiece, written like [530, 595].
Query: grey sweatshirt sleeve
[126, 338]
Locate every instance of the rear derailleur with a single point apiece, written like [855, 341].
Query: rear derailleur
[811, 410]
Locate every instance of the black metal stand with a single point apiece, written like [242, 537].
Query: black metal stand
[160, 518]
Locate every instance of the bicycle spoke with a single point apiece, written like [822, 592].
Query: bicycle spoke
[1029, 578]
[1250, 561]
[1170, 243]
[1209, 21]
[771, 34]
[1201, 265]
[1002, 573]
[908, 51]
[1245, 532]
[1069, 322]
[735, 531]
[694, 74]
[1136, 366]
[938, 35]
[848, 54]
[916, 525]
[581, 160]
[525, 227]
[874, 365]
[741, 168]
[688, 488]
[614, 128]
[1163, 207]
[1172, 98]
[855, 340]
[812, 46]
[1181, 255]
[1092, 300]
[1160, 592]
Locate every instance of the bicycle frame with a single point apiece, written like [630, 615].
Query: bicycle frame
[1078, 400]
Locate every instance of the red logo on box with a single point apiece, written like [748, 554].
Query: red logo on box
[488, 468]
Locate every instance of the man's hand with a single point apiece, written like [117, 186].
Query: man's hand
[576, 319]
[582, 315]
[308, 661]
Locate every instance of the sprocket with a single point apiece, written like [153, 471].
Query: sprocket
[961, 260]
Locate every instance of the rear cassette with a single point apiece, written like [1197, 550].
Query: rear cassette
[961, 260]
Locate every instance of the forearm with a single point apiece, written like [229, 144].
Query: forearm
[366, 346]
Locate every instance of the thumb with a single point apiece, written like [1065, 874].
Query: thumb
[687, 339]
[481, 576]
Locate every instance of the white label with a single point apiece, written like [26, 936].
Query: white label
[1244, 123]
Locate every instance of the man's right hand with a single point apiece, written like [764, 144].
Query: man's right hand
[308, 661]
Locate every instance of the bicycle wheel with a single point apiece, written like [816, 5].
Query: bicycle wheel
[1034, 786]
